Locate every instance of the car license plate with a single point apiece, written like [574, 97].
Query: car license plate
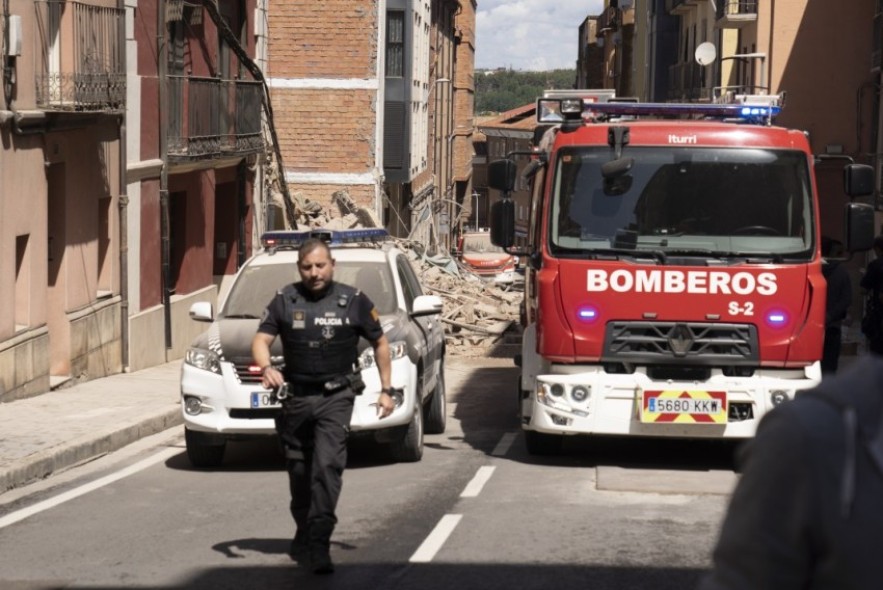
[261, 399]
[684, 407]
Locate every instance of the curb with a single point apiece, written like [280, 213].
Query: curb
[86, 448]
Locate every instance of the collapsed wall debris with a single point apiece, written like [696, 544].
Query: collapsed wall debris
[478, 315]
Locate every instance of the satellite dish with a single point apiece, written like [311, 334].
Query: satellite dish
[706, 53]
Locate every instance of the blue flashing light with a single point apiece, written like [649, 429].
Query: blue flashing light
[333, 237]
[587, 313]
[776, 318]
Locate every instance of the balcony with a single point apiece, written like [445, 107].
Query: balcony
[679, 7]
[80, 66]
[609, 20]
[213, 118]
[735, 14]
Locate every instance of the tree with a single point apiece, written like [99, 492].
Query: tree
[503, 89]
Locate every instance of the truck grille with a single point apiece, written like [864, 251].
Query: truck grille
[693, 343]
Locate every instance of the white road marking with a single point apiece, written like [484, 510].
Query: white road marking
[473, 488]
[24, 513]
[503, 446]
[436, 539]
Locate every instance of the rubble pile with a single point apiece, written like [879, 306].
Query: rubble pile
[477, 314]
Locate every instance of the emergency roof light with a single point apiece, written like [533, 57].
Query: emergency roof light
[747, 110]
[333, 237]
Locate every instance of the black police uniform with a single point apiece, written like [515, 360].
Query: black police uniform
[319, 339]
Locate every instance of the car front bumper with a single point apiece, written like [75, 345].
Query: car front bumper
[230, 407]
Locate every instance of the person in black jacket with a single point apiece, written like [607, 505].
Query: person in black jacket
[872, 283]
[319, 322]
[839, 297]
[807, 512]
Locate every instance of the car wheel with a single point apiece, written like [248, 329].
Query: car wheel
[539, 443]
[435, 412]
[409, 448]
[204, 450]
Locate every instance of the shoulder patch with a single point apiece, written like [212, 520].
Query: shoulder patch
[374, 314]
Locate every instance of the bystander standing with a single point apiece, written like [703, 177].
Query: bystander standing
[872, 283]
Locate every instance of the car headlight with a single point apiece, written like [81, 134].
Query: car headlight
[203, 359]
[397, 350]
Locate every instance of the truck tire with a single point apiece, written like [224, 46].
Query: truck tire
[203, 449]
[435, 412]
[539, 443]
[409, 448]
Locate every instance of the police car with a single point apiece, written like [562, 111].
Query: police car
[221, 393]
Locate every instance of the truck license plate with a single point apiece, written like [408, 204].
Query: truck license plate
[684, 407]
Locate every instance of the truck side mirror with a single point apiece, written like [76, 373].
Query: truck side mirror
[858, 180]
[501, 175]
[859, 227]
[503, 223]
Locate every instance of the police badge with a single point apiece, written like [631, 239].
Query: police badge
[298, 321]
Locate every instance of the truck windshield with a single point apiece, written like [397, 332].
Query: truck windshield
[479, 244]
[703, 201]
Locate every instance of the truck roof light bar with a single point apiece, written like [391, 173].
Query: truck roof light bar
[757, 113]
[748, 108]
[333, 237]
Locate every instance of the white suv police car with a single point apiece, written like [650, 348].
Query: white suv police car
[221, 393]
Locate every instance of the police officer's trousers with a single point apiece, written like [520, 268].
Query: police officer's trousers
[313, 430]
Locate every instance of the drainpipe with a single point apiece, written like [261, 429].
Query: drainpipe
[243, 211]
[123, 207]
[162, 73]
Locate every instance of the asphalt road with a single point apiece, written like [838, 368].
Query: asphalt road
[476, 512]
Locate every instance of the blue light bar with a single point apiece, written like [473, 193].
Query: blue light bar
[746, 112]
[334, 237]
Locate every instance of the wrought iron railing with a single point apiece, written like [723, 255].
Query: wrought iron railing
[208, 117]
[80, 64]
[726, 8]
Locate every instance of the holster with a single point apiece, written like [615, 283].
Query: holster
[356, 383]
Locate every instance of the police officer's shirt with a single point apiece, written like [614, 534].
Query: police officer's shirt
[362, 315]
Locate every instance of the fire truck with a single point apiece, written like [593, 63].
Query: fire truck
[673, 282]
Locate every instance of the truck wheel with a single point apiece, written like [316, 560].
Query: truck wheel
[409, 448]
[539, 443]
[203, 449]
[435, 412]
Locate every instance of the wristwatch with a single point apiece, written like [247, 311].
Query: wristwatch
[386, 390]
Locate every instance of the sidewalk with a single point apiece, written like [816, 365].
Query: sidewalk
[49, 432]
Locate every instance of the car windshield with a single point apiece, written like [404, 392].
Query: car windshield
[721, 201]
[479, 243]
[258, 283]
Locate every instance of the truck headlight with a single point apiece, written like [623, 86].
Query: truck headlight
[397, 350]
[203, 359]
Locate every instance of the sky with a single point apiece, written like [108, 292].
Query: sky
[530, 35]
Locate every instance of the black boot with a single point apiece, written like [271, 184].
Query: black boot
[320, 548]
[300, 545]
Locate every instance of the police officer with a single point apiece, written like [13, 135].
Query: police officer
[319, 322]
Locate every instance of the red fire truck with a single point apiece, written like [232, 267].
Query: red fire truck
[674, 281]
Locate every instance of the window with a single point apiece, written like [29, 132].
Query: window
[22, 283]
[395, 44]
[104, 242]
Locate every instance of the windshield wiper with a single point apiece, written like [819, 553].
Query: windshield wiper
[616, 253]
[241, 316]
